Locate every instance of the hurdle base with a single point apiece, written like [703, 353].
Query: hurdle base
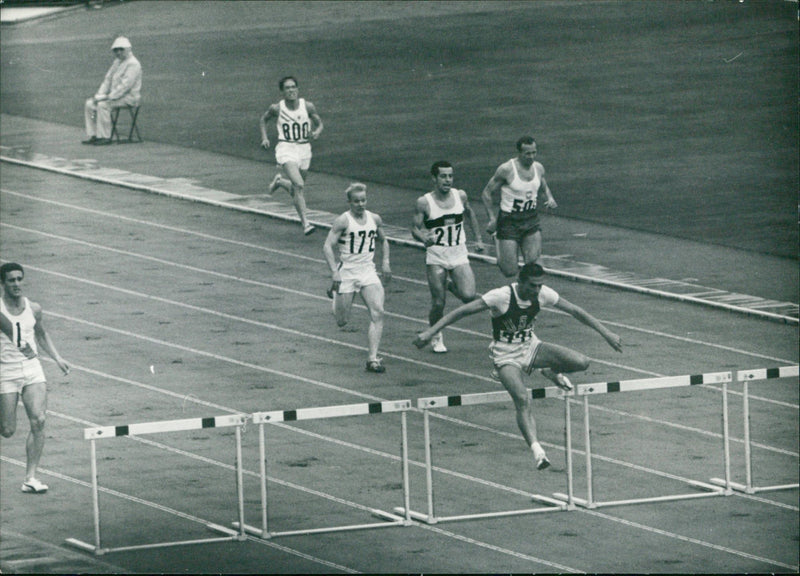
[390, 520]
[575, 501]
[416, 515]
[738, 487]
[85, 546]
[101, 551]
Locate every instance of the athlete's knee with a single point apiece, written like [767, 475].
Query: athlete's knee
[579, 362]
[38, 422]
[509, 270]
[7, 430]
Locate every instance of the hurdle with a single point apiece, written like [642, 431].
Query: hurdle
[745, 377]
[707, 490]
[107, 432]
[436, 402]
[264, 418]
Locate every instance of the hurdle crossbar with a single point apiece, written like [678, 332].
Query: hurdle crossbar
[387, 519]
[438, 402]
[745, 377]
[636, 385]
[106, 432]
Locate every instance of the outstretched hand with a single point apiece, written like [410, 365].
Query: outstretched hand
[614, 341]
[421, 340]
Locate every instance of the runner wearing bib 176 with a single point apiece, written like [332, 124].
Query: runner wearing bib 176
[298, 123]
[439, 224]
[517, 225]
[356, 235]
[516, 350]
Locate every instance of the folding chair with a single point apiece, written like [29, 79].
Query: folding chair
[134, 114]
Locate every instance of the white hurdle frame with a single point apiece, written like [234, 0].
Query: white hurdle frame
[106, 432]
[587, 390]
[435, 402]
[745, 377]
[324, 412]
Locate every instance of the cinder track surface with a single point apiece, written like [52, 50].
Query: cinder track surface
[229, 310]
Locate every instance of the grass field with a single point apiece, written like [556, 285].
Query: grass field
[676, 118]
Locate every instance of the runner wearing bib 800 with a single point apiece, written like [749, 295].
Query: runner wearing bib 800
[298, 123]
[516, 225]
[439, 224]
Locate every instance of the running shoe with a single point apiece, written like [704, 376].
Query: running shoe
[375, 367]
[274, 185]
[33, 486]
[309, 229]
[437, 344]
[542, 462]
[558, 379]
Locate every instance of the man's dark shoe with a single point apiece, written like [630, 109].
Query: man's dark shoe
[102, 142]
[90, 141]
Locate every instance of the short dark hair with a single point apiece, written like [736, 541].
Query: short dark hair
[439, 164]
[9, 267]
[525, 140]
[284, 79]
[531, 270]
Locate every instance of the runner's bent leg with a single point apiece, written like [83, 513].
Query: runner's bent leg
[437, 282]
[532, 247]
[508, 257]
[292, 170]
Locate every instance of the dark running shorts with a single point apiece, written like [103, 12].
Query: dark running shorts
[517, 226]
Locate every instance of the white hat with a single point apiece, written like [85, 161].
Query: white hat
[121, 42]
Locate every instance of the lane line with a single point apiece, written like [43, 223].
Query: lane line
[285, 253]
[277, 288]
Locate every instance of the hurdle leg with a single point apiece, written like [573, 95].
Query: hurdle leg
[726, 439]
[240, 482]
[568, 446]
[588, 442]
[404, 456]
[426, 422]
[748, 463]
[262, 451]
[95, 496]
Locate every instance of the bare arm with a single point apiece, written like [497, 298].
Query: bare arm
[468, 309]
[489, 190]
[383, 251]
[44, 341]
[316, 121]
[271, 113]
[549, 201]
[584, 317]
[473, 220]
[331, 241]
[418, 229]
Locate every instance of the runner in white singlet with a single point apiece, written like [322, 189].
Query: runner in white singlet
[21, 374]
[297, 123]
[439, 220]
[350, 247]
[516, 224]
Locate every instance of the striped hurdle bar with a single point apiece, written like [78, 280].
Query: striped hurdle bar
[438, 402]
[106, 432]
[745, 377]
[639, 385]
[264, 418]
